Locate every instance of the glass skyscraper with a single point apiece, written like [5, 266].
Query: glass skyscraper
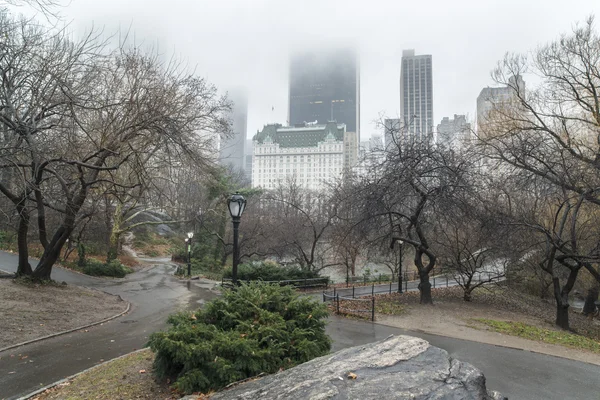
[325, 86]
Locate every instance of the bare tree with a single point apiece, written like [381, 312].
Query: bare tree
[552, 130]
[551, 133]
[81, 114]
[300, 222]
[470, 249]
[399, 197]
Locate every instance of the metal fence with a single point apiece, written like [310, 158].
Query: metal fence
[381, 278]
[348, 305]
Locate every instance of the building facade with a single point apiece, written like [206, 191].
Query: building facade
[324, 87]
[232, 149]
[491, 98]
[310, 154]
[453, 133]
[416, 97]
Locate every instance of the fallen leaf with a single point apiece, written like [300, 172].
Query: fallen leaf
[352, 375]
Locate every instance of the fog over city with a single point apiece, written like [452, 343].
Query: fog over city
[247, 43]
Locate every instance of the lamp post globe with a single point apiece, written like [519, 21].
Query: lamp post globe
[236, 205]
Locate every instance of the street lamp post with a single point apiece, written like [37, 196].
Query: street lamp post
[400, 242]
[188, 240]
[236, 204]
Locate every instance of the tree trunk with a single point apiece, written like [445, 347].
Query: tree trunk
[425, 288]
[562, 315]
[52, 252]
[562, 304]
[43, 270]
[24, 268]
[467, 295]
[115, 234]
[589, 307]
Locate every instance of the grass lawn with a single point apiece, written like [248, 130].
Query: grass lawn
[128, 377]
[540, 334]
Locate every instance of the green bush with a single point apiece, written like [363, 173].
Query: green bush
[269, 271]
[113, 268]
[6, 237]
[257, 328]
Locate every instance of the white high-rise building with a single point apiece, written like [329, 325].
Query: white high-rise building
[311, 154]
[416, 97]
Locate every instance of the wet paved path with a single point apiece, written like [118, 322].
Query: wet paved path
[155, 293]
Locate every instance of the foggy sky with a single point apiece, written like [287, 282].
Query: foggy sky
[247, 42]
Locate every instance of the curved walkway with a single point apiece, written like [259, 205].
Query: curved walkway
[155, 293]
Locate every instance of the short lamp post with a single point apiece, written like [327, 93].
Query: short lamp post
[188, 241]
[236, 204]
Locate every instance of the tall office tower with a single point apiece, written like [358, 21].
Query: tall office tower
[491, 99]
[453, 133]
[416, 97]
[325, 86]
[248, 153]
[231, 151]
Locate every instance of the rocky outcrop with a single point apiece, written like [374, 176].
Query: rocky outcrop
[399, 367]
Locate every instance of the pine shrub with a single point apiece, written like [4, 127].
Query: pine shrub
[113, 268]
[259, 328]
[269, 271]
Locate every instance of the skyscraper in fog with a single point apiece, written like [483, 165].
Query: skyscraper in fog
[453, 133]
[325, 86]
[494, 99]
[231, 151]
[416, 96]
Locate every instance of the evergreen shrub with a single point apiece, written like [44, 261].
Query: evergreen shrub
[113, 268]
[269, 271]
[259, 328]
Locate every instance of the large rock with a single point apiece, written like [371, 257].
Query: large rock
[399, 367]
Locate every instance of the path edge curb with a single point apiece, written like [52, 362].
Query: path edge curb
[68, 378]
[69, 330]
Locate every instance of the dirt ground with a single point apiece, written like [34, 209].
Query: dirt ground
[31, 311]
[451, 316]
